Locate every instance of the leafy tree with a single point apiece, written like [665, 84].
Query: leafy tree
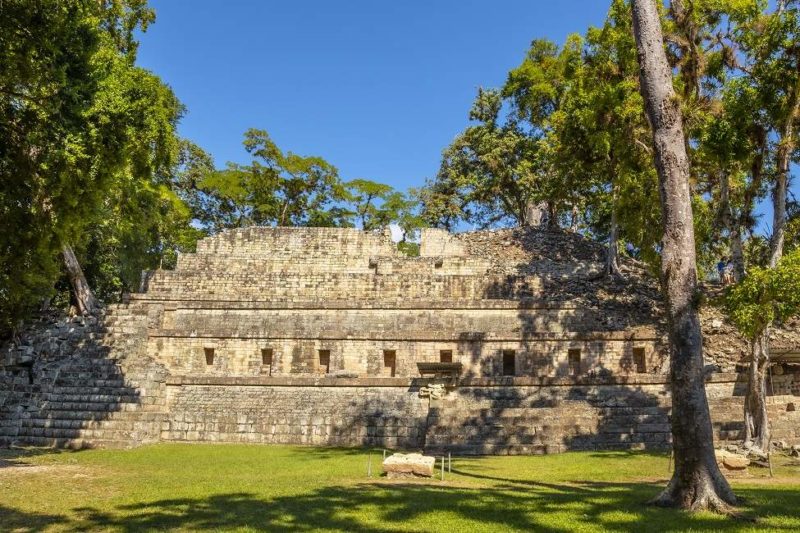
[600, 145]
[765, 296]
[488, 174]
[79, 118]
[377, 206]
[369, 201]
[567, 133]
[278, 188]
[768, 60]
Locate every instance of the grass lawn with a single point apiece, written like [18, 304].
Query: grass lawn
[253, 488]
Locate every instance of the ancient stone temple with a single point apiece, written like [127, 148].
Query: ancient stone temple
[507, 341]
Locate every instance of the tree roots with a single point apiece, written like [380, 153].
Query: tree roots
[701, 495]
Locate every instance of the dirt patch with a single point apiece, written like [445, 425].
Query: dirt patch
[10, 468]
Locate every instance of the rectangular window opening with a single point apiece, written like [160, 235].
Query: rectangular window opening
[574, 358]
[266, 361]
[389, 363]
[509, 362]
[445, 356]
[209, 356]
[639, 360]
[325, 361]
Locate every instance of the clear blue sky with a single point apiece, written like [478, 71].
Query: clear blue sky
[377, 88]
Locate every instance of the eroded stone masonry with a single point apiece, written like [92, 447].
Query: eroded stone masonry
[505, 341]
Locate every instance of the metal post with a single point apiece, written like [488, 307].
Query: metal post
[384, 455]
[671, 456]
[769, 461]
[443, 468]
[449, 463]
[369, 465]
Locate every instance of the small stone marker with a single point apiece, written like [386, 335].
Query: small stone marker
[731, 461]
[403, 465]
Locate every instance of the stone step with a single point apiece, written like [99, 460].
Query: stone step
[94, 389]
[100, 407]
[130, 422]
[75, 444]
[126, 397]
[117, 423]
[96, 414]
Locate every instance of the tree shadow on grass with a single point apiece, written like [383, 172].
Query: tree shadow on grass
[25, 522]
[394, 507]
[17, 457]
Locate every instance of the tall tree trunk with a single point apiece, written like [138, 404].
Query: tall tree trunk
[87, 304]
[731, 224]
[697, 482]
[756, 421]
[552, 215]
[535, 213]
[612, 251]
[737, 252]
[573, 225]
[779, 210]
[783, 159]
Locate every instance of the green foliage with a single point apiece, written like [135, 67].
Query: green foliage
[766, 295]
[369, 199]
[600, 144]
[286, 189]
[278, 188]
[488, 175]
[568, 129]
[89, 145]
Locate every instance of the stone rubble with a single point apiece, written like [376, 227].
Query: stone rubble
[731, 461]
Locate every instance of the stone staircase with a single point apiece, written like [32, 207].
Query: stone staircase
[92, 384]
[514, 426]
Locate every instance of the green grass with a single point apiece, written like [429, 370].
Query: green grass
[252, 488]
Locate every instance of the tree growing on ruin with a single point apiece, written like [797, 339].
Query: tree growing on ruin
[276, 188]
[768, 60]
[600, 143]
[765, 296]
[697, 482]
[488, 175]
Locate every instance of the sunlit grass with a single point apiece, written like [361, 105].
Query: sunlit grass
[251, 488]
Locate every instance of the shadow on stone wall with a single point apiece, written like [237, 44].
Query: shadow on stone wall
[582, 410]
[548, 419]
[80, 389]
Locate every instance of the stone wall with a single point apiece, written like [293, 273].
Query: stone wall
[331, 415]
[313, 335]
[479, 416]
[365, 357]
[784, 380]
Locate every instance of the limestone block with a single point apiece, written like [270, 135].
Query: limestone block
[731, 461]
[409, 465]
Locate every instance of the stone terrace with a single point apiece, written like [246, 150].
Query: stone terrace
[313, 336]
